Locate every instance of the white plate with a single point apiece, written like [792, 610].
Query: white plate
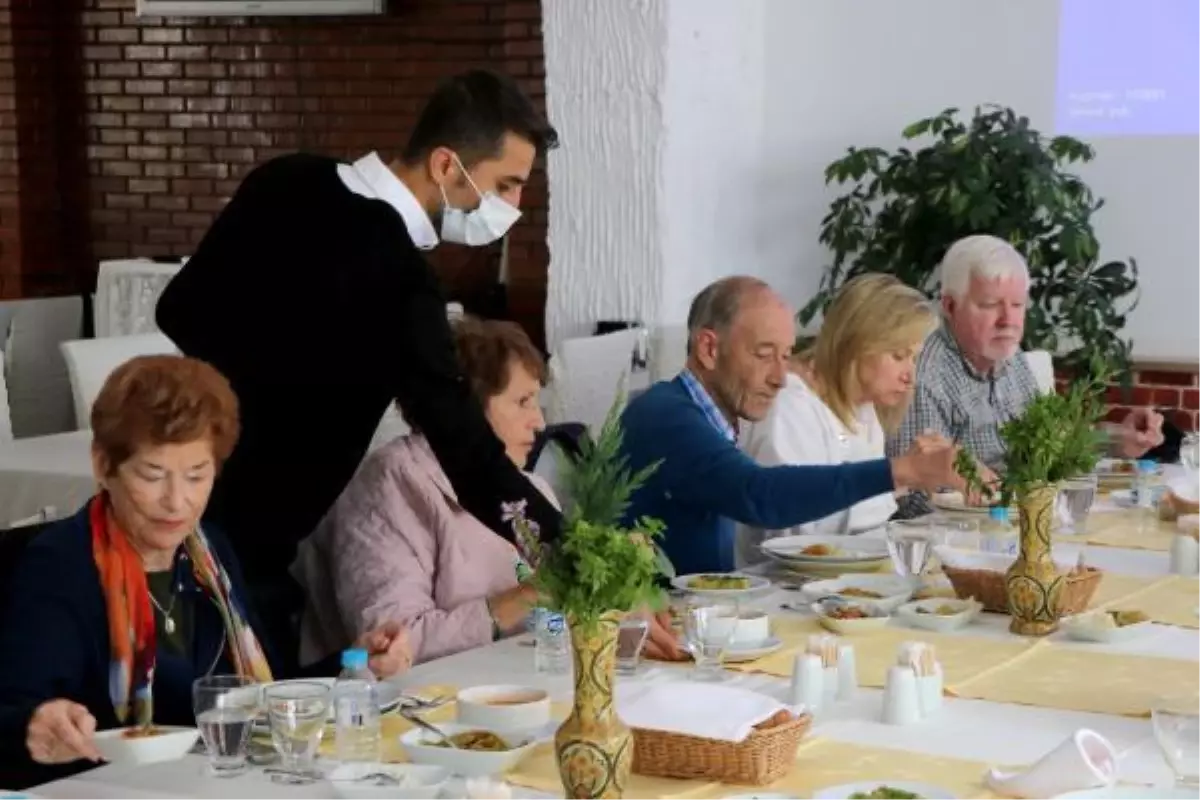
[910, 615]
[757, 584]
[416, 781]
[1107, 469]
[849, 549]
[895, 589]
[761, 796]
[742, 652]
[849, 627]
[1130, 793]
[1077, 627]
[925, 790]
[953, 501]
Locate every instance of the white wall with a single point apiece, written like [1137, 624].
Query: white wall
[696, 134]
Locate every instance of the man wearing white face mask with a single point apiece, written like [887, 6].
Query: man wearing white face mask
[311, 294]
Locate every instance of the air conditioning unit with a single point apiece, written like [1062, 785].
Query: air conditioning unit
[252, 8]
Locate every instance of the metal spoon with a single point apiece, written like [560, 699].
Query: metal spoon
[425, 726]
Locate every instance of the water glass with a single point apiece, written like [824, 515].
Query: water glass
[1189, 451]
[297, 711]
[708, 629]
[226, 707]
[910, 544]
[631, 638]
[961, 534]
[1176, 723]
[1074, 503]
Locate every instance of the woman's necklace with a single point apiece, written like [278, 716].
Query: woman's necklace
[168, 621]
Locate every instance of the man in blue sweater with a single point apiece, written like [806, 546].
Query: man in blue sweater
[740, 334]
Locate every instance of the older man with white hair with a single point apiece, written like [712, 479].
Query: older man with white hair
[972, 376]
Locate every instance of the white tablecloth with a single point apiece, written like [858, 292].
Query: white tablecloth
[996, 733]
[45, 471]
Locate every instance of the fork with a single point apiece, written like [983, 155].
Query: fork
[411, 716]
[411, 702]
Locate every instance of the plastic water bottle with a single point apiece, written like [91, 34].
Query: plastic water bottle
[551, 648]
[999, 535]
[1143, 483]
[356, 710]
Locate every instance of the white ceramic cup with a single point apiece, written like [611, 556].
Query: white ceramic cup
[504, 707]
[752, 627]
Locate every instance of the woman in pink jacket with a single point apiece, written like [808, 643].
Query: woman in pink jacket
[398, 546]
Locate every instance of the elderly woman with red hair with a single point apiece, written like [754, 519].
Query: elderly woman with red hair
[112, 614]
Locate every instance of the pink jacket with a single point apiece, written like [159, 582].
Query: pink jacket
[397, 546]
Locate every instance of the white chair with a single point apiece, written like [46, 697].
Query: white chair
[39, 391]
[1042, 366]
[127, 291]
[5, 416]
[586, 375]
[91, 361]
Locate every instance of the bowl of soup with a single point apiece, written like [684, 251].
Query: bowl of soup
[476, 752]
[504, 708]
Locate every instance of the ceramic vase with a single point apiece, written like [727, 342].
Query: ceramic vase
[1033, 583]
[594, 747]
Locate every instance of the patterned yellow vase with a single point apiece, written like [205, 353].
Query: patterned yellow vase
[594, 748]
[1033, 582]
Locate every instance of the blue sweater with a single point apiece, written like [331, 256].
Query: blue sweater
[55, 644]
[705, 484]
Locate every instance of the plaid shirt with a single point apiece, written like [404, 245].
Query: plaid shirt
[703, 399]
[961, 403]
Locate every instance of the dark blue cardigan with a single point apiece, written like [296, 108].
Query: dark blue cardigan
[54, 642]
[704, 483]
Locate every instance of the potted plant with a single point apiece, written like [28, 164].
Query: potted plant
[1053, 440]
[593, 574]
[992, 173]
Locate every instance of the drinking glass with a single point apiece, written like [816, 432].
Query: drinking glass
[708, 629]
[1189, 451]
[297, 711]
[962, 534]
[1176, 723]
[910, 544]
[225, 707]
[1074, 503]
[631, 638]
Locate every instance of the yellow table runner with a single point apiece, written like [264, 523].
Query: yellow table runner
[1125, 528]
[1078, 679]
[820, 763]
[1171, 600]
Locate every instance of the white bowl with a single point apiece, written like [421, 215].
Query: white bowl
[169, 743]
[416, 781]
[923, 790]
[876, 620]
[418, 746]
[504, 708]
[919, 613]
[752, 627]
[893, 589]
[1085, 628]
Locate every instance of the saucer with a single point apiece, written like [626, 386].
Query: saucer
[750, 651]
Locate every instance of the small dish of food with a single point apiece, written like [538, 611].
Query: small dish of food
[138, 745]
[378, 781]
[848, 618]
[716, 584]
[504, 708]
[940, 614]
[476, 753]
[884, 591]
[1107, 626]
[885, 790]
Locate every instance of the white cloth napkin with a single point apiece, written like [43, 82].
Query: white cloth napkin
[723, 713]
[1085, 760]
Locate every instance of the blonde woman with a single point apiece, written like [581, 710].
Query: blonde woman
[843, 395]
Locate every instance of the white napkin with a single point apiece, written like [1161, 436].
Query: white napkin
[1066, 557]
[1185, 487]
[723, 713]
[1085, 760]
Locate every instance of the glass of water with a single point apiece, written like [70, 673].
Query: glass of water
[631, 638]
[910, 544]
[1074, 503]
[708, 629]
[297, 711]
[1176, 723]
[225, 707]
[961, 534]
[1189, 451]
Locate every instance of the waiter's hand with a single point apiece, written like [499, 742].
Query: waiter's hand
[388, 651]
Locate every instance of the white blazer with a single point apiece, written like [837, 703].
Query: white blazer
[801, 429]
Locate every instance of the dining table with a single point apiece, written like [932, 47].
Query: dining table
[848, 741]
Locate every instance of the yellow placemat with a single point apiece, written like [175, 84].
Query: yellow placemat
[962, 657]
[1125, 528]
[1077, 679]
[820, 763]
[1171, 600]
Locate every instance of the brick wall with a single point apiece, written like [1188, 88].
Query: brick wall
[1174, 388]
[123, 136]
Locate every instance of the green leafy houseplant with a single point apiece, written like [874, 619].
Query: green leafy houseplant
[597, 565]
[994, 174]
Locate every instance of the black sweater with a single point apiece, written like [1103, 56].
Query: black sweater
[316, 305]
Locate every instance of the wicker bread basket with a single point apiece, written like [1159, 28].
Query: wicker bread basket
[987, 586]
[765, 756]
